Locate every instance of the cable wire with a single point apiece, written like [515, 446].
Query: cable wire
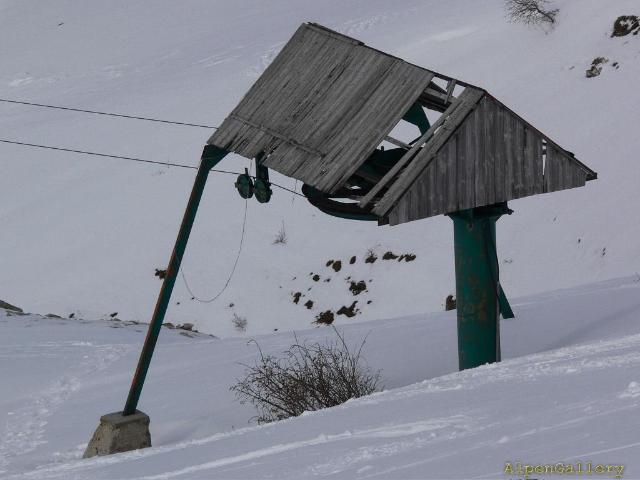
[109, 114]
[130, 159]
[233, 269]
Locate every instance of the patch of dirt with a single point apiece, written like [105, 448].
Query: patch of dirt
[348, 311]
[626, 25]
[358, 287]
[389, 256]
[296, 297]
[309, 304]
[325, 318]
[337, 265]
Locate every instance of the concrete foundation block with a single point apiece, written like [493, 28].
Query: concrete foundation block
[119, 433]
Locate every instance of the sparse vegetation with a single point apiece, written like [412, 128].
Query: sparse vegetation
[370, 256]
[531, 12]
[281, 236]
[309, 376]
[239, 323]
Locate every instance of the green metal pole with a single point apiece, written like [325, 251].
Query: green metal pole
[477, 284]
[210, 157]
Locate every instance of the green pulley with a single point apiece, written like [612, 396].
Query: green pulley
[262, 185]
[244, 184]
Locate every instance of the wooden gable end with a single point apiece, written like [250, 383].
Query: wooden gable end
[493, 156]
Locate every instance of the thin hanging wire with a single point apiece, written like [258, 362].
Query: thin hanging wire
[109, 114]
[233, 269]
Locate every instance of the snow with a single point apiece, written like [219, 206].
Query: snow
[84, 235]
[87, 233]
[566, 392]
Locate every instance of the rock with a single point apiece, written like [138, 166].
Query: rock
[596, 67]
[337, 265]
[325, 318]
[309, 304]
[358, 287]
[8, 306]
[389, 256]
[348, 311]
[625, 25]
[352, 260]
[161, 274]
[315, 278]
[52, 315]
[450, 303]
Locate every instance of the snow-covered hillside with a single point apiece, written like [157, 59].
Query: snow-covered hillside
[85, 235]
[568, 391]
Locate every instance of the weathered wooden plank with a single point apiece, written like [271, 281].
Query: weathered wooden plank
[385, 107]
[476, 125]
[488, 112]
[448, 154]
[422, 159]
[532, 162]
[499, 155]
[519, 188]
[407, 157]
[466, 188]
[397, 143]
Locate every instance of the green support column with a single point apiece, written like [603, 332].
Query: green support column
[477, 284]
[210, 158]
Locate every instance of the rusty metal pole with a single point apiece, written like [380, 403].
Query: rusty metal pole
[477, 284]
[210, 157]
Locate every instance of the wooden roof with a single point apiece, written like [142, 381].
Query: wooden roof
[328, 101]
[323, 105]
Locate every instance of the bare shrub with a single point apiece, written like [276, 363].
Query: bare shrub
[309, 376]
[531, 12]
[281, 236]
[239, 323]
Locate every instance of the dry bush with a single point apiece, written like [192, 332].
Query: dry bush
[281, 236]
[239, 323]
[531, 12]
[309, 376]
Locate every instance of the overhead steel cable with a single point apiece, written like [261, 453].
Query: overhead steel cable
[109, 114]
[130, 159]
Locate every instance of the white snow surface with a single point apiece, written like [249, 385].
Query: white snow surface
[85, 234]
[567, 391]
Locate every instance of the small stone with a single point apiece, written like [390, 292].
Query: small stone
[389, 256]
[352, 260]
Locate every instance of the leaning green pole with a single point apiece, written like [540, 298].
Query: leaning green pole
[211, 156]
[478, 291]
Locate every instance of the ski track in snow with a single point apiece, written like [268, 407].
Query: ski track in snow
[26, 426]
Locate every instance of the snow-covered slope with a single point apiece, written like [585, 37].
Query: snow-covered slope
[83, 234]
[568, 391]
